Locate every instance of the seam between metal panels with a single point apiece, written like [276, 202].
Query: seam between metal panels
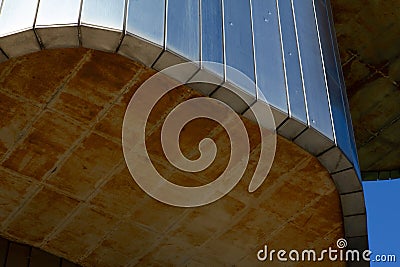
[79, 23]
[301, 66]
[1, 6]
[289, 110]
[200, 33]
[341, 79]
[342, 85]
[254, 51]
[324, 72]
[166, 24]
[34, 27]
[165, 35]
[125, 21]
[223, 40]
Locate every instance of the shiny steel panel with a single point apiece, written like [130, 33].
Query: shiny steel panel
[17, 16]
[267, 49]
[145, 18]
[326, 40]
[297, 107]
[313, 73]
[354, 157]
[211, 35]
[238, 42]
[339, 117]
[56, 13]
[183, 28]
[103, 14]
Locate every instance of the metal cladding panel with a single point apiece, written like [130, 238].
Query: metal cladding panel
[145, 18]
[17, 16]
[313, 73]
[268, 53]
[238, 43]
[103, 14]
[211, 35]
[58, 13]
[326, 40]
[295, 90]
[338, 108]
[339, 118]
[354, 157]
[183, 28]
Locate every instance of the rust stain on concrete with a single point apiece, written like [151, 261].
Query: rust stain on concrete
[64, 186]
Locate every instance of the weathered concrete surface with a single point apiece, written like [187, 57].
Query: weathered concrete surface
[368, 36]
[64, 186]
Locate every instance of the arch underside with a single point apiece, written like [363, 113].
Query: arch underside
[65, 187]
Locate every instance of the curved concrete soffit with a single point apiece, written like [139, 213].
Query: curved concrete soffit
[95, 24]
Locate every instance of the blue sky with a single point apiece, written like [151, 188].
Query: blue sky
[382, 201]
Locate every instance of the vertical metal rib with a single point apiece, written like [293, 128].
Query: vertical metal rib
[324, 72]
[283, 62]
[253, 48]
[301, 64]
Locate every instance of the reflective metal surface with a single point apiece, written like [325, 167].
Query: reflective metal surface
[17, 16]
[313, 72]
[103, 14]
[269, 66]
[183, 28]
[58, 13]
[211, 33]
[145, 18]
[294, 83]
[238, 41]
[287, 47]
